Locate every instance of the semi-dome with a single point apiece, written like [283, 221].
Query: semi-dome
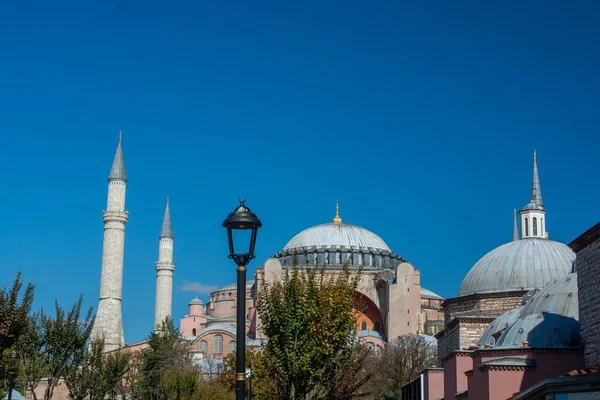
[336, 236]
[519, 265]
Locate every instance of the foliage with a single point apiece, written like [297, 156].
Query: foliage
[309, 321]
[52, 347]
[14, 314]
[99, 376]
[259, 381]
[400, 362]
[166, 353]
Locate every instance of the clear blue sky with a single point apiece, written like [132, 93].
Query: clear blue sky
[420, 117]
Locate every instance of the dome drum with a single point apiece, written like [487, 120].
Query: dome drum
[338, 256]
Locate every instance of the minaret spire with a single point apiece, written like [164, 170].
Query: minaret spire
[337, 219]
[536, 190]
[515, 228]
[164, 271]
[167, 229]
[117, 170]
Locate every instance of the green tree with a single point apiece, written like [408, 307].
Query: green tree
[309, 320]
[52, 346]
[14, 313]
[98, 376]
[400, 362]
[166, 352]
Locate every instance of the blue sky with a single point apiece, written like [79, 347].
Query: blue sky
[420, 117]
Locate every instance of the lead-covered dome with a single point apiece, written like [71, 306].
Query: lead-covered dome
[335, 244]
[337, 236]
[519, 265]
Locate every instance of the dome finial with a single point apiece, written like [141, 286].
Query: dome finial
[337, 219]
[419, 329]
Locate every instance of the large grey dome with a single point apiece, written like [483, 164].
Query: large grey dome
[337, 236]
[519, 265]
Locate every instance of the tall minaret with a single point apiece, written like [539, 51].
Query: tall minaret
[108, 322]
[533, 224]
[164, 271]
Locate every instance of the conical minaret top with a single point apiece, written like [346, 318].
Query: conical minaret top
[167, 229]
[515, 228]
[117, 171]
[536, 190]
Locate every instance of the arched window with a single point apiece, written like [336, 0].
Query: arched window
[363, 326]
[218, 344]
[535, 227]
[526, 226]
[203, 346]
[377, 326]
[194, 332]
[232, 346]
[338, 258]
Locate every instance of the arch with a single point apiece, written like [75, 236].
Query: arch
[232, 347]
[218, 344]
[364, 326]
[526, 226]
[203, 346]
[535, 226]
[193, 331]
[368, 312]
[377, 326]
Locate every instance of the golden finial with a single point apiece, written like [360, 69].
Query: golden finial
[419, 329]
[337, 219]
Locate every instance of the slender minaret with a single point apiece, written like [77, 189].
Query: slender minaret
[108, 322]
[533, 215]
[164, 271]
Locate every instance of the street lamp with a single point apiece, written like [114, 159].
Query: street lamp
[12, 371]
[241, 221]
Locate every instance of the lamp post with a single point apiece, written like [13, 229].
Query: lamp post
[238, 222]
[12, 371]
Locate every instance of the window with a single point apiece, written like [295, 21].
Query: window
[535, 227]
[218, 344]
[203, 346]
[194, 332]
[526, 226]
[377, 326]
[231, 346]
[363, 326]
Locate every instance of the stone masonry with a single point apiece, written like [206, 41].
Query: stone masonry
[587, 248]
[108, 323]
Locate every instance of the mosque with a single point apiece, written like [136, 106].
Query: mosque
[514, 322]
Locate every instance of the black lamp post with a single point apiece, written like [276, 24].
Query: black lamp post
[12, 371]
[239, 221]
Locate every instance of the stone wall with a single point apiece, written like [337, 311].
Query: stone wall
[492, 304]
[587, 248]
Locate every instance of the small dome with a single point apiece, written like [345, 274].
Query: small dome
[430, 340]
[195, 302]
[337, 235]
[533, 206]
[233, 286]
[499, 325]
[519, 265]
[549, 319]
[428, 294]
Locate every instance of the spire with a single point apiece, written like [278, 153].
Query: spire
[117, 171]
[515, 229]
[337, 219]
[536, 190]
[167, 230]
